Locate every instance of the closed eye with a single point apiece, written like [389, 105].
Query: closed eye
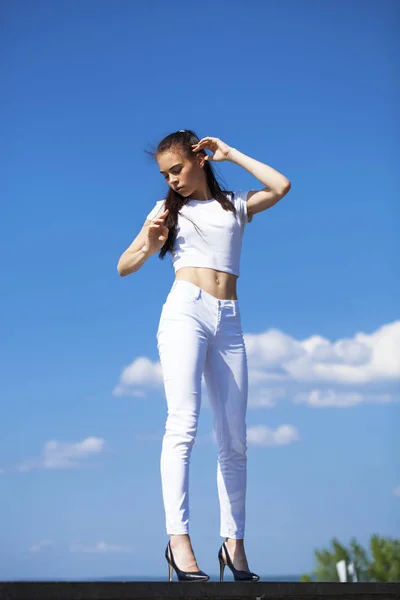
[174, 171]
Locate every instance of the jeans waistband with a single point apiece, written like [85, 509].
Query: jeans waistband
[204, 294]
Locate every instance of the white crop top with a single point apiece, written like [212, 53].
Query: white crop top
[216, 241]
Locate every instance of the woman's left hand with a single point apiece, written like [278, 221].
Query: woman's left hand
[218, 147]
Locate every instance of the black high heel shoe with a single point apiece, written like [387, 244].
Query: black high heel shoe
[237, 574]
[182, 575]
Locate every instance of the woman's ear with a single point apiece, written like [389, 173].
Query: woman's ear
[201, 159]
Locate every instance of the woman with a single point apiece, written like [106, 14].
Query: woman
[200, 331]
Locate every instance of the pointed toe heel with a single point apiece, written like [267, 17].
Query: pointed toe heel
[182, 575]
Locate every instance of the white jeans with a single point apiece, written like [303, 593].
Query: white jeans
[198, 334]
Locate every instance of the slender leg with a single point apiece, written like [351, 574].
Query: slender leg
[227, 385]
[182, 348]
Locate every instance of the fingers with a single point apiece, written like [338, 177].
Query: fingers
[155, 225]
[200, 145]
[162, 217]
[208, 147]
[163, 214]
[206, 140]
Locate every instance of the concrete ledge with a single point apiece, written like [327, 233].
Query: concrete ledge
[141, 590]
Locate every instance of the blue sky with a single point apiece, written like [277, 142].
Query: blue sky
[309, 88]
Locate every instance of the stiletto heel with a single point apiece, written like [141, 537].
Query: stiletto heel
[182, 575]
[237, 573]
[221, 569]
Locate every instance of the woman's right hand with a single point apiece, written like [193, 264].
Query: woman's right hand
[157, 234]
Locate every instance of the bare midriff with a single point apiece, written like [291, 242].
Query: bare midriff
[217, 283]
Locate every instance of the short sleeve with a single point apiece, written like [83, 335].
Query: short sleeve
[240, 203]
[158, 209]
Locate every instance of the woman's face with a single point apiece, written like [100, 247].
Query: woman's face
[184, 175]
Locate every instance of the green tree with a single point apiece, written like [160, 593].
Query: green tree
[382, 563]
[385, 564]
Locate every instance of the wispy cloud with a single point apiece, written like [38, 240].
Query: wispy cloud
[40, 545]
[261, 435]
[59, 455]
[329, 398]
[257, 435]
[100, 547]
[396, 491]
[265, 397]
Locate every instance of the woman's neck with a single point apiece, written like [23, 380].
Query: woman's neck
[203, 194]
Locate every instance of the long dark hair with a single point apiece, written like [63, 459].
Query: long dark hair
[184, 140]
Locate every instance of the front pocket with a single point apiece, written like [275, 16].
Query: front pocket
[179, 304]
[183, 293]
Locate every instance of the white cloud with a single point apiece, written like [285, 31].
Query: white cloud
[261, 435]
[396, 491]
[365, 358]
[59, 455]
[2, 471]
[320, 373]
[313, 371]
[333, 398]
[40, 545]
[100, 547]
[271, 349]
[142, 372]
